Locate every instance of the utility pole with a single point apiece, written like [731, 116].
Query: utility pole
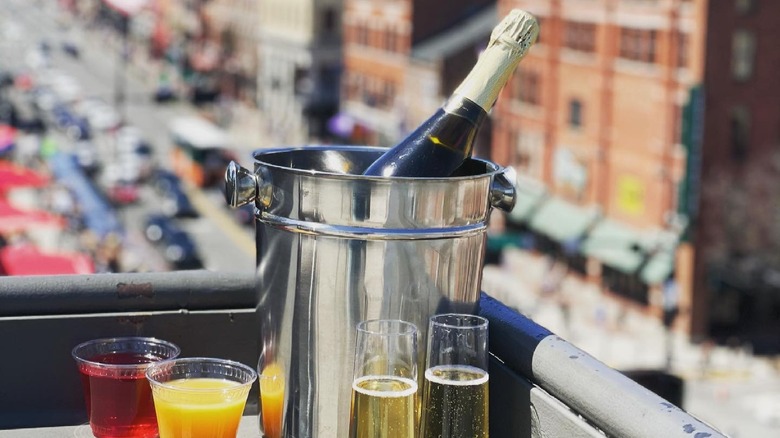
[120, 78]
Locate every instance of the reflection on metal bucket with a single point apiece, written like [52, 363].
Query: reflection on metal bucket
[335, 248]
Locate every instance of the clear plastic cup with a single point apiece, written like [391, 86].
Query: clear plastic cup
[200, 397]
[117, 394]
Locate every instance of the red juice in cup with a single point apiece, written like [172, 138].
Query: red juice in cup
[119, 402]
[117, 395]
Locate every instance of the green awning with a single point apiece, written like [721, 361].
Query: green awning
[528, 195]
[615, 245]
[497, 242]
[562, 221]
[658, 268]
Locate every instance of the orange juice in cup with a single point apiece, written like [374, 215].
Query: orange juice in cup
[272, 399]
[199, 397]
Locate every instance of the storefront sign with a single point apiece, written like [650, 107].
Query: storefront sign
[630, 195]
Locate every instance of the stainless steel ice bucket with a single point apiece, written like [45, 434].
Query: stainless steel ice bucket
[335, 248]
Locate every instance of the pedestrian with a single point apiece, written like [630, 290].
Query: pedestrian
[670, 309]
[551, 282]
[564, 304]
[670, 301]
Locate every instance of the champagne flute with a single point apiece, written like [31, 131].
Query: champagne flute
[455, 393]
[384, 385]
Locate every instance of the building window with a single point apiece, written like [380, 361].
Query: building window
[329, 20]
[361, 35]
[529, 151]
[682, 50]
[302, 82]
[526, 87]
[391, 40]
[740, 133]
[388, 95]
[580, 36]
[637, 45]
[369, 92]
[356, 86]
[743, 53]
[575, 113]
[678, 123]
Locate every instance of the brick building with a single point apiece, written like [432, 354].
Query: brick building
[234, 29]
[626, 118]
[391, 48]
[300, 51]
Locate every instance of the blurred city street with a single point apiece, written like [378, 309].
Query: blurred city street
[726, 387]
[223, 243]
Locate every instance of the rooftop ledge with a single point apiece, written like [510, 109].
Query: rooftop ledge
[541, 385]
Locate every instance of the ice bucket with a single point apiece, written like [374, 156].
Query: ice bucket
[335, 248]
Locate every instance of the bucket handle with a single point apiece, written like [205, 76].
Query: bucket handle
[243, 186]
[503, 194]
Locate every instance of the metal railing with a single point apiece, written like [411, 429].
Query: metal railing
[541, 386]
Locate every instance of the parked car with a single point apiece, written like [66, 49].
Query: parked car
[204, 90]
[66, 87]
[28, 117]
[100, 115]
[34, 124]
[71, 48]
[43, 99]
[135, 151]
[6, 78]
[44, 46]
[175, 202]
[121, 171]
[87, 156]
[8, 113]
[123, 193]
[75, 126]
[177, 247]
[164, 93]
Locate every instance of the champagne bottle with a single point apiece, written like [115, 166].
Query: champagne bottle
[440, 144]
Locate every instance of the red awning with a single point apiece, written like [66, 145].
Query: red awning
[13, 219]
[12, 175]
[29, 260]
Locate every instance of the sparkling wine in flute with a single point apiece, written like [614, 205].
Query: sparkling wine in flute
[383, 407]
[438, 146]
[455, 402]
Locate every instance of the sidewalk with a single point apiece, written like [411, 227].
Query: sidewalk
[729, 387]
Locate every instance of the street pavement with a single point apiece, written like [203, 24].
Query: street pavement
[729, 388]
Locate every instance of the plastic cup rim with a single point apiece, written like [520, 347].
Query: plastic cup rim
[170, 362]
[92, 363]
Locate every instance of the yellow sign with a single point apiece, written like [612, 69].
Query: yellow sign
[630, 195]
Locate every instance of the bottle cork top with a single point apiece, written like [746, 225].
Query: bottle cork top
[518, 30]
[509, 42]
